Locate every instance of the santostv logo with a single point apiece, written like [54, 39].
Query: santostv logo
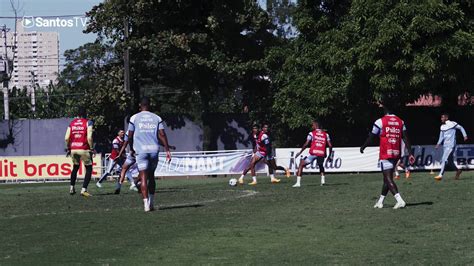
[54, 22]
[28, 21]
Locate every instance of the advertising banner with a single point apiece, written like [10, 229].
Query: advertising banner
[427, 157]
[206, 163]
[42, 167]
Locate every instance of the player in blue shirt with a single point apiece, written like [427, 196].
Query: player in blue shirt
[144, 130]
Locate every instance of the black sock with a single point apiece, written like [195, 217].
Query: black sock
[75, 168]
[88, 176]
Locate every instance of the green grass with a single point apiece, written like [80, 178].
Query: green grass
[207, 222]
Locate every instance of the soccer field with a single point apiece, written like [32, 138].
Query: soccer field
[207, 222]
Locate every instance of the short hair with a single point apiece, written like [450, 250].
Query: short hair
[316, 121]
[82, 111]
[445, 113]
[266, 124]
[389, 102]
[255, 126]
[145, 101]
[120, 130]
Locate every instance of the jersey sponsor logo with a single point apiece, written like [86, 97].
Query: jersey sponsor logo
[392, 130]
[78, 128]
[150, 147]
[147, 126]
[77, 144]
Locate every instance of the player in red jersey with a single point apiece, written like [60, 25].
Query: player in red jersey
[318, 140]
[263, 150]
[391, 130]
[79, 143]
[114, 160]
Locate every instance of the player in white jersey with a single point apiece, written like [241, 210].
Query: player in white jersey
[144, 130]
[128, 167]
[447, 137]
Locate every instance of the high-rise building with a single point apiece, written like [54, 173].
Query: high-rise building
[36, 58]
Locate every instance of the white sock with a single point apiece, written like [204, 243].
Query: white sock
[298, 179]
[382, 197]
[242, 177]
[254, 178]
[145, 203]
[272, 176]
[397, 173]
[83, 190]
[71, 187]
[151, 199]
[398, 197]
[323, 180]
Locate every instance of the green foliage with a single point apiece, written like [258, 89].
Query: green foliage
[349, 53]
[205, 56]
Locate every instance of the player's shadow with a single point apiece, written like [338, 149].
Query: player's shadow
[180, 206]
[328, 185]
[168, 190]
[420, 203]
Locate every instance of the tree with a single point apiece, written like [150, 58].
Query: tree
[349, 53]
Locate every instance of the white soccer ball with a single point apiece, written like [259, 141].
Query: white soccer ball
[233, 182]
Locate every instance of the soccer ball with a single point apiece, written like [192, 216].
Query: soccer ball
[233, 182]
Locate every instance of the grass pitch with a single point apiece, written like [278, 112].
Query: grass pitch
[208, 222]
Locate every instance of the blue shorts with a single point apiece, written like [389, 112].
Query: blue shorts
[147, 161]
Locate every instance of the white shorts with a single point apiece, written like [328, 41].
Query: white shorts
[260, 155]
[130, 159]
[388, 164]
[114, 165]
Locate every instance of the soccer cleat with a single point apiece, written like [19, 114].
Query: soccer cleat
[297, 185]
[146, 207]
[275, 180]
[72, 191]
[99, 185]
[400, 205]
[254, 183]
[438, 177]
[133, 187]
[117, 191]
[287, 173]
[397, 177]
[407, 174]
[86, 194]
[241, 181]
[378, 205]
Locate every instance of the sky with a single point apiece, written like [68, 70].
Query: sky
[69, 37]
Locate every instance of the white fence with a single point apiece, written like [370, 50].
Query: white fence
[345, 160]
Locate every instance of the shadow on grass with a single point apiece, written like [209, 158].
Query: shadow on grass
[180, 206]
[328, 185]
[166, 190]
[420, 203]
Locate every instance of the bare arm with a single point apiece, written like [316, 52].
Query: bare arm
[130, 140]
[305, 145]
[369, 140]
[411, 158]
[330, 151]
[164, 139]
